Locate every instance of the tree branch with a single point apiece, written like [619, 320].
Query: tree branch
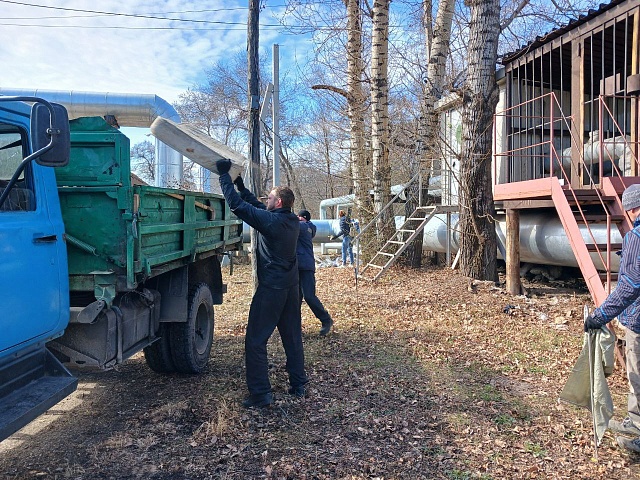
[507, 21]
[331, 88]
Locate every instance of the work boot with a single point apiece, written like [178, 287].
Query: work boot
[632, 444]
[626, 427]
[300, 391]
[326, 328]
[258, 400]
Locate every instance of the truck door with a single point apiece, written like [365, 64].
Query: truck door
[33, 268]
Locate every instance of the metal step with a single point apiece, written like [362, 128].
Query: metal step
[30, 385]
[602, 247]
[603, 276]
[599, 218]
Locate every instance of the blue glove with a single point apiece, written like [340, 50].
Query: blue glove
[590, 324]
[223, 166]
[239, 183]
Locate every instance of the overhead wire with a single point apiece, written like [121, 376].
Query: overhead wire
[98, 13]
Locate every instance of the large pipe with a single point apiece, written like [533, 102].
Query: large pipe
[348, 200]
[325, 229]
[542, 239]
[129, 109]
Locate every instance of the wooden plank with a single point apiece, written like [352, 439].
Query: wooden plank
[635, 105]
[577, 108]
[198, 204]
[527, 190]
[527, 204]
[514, 286]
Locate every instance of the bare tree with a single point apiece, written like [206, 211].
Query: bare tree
[437, 40]
[478, 247]
[380, 116]
[143, 159]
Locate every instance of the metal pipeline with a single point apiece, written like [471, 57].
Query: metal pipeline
[129, 109]
[325, 229]
[542, 238]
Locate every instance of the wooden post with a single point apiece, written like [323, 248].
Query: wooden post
[514, 287]
[253, 44]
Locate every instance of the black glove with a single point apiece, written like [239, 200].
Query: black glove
[333, 237]
[223, 166]
[590, 324]
[239, 183]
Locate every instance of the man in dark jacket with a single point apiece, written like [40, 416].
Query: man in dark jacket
[276, 302]
[307, 271]
[624, 303]
[345, 230]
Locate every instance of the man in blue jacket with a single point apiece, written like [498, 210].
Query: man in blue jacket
[624, 303]
[307, 271]
[276, 302]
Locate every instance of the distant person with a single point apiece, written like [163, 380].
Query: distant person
[624, 303]
[307, 272]
[276, 302]
[345, 229]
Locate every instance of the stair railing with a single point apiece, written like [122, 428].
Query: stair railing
[357, 240]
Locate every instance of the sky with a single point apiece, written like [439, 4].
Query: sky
[129, 46]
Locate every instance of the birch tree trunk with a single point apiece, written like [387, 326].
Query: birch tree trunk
[478, 246]
[380, 119]
[355, 110]
[438, 37]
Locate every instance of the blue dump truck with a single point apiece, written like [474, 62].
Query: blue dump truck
[93, 268]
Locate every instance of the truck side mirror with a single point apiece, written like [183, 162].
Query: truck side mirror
[41, 126]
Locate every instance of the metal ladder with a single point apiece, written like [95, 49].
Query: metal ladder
[385, 257]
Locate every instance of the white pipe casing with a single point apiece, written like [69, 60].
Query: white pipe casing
[129, 109]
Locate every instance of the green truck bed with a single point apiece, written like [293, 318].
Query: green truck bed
[119, 234]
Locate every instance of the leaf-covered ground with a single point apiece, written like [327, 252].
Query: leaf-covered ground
[425, 376]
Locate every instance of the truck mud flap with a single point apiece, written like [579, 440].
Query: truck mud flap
[29, 386]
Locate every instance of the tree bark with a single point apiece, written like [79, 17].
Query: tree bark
[254, 114]
[438, 39]
[480, 96]
[380, 119]
[355, 110]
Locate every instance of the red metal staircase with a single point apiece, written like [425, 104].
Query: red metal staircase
[587, 207]
[594, 198]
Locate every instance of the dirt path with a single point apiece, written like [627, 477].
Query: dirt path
[422, 379]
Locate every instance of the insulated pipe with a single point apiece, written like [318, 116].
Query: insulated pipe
[325, 228]
[129, 109]
[542, 239]
[348, 200]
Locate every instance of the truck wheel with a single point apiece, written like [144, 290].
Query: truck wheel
[191, 340]
[158, 354]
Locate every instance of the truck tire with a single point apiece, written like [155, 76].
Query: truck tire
[191, 340]
[158, 354]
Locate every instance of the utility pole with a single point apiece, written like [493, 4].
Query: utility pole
[275, 110]
[254, 92]
[254, 117]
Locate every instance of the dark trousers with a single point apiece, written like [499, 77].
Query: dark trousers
[308, 292]
[270, 309]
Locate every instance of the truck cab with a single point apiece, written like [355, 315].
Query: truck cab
[34, 137]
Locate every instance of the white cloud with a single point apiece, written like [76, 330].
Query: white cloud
[161, 62]
[51, 53]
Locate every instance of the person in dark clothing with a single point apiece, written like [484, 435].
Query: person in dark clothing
[624, 303]
[276, 302]
[345, 229]
[307, 272]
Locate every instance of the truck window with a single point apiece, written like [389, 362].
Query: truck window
[12, 151]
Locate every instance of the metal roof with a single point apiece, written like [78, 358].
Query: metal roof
[547, 37]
